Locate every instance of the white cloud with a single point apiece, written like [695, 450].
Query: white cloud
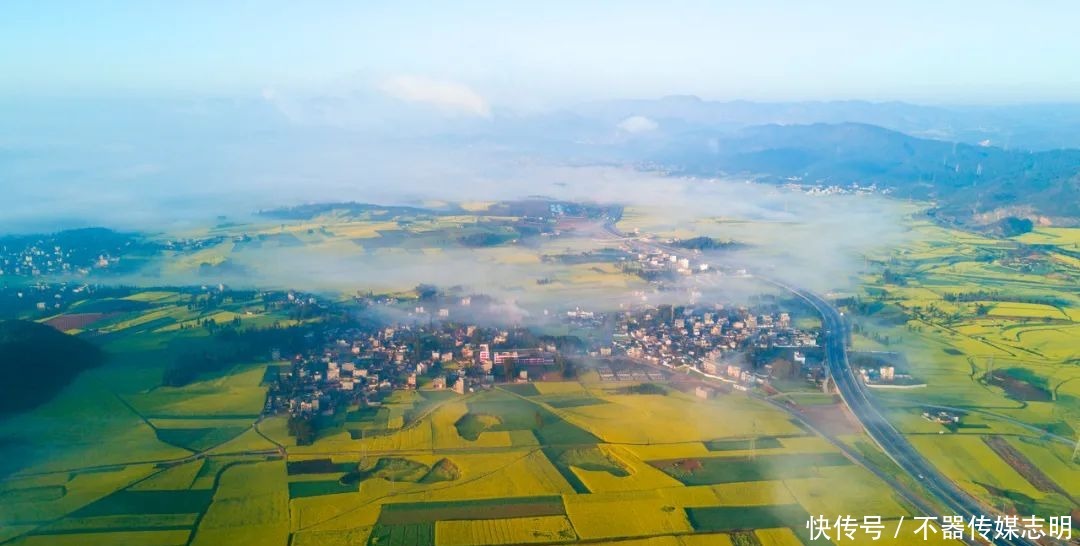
[448, 96]
[637, 124]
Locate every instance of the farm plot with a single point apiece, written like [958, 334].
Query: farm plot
[861, 494]
[502, 474]
[36, 500]
[198, 439]
[450, 424]
[121, 523]
[716, 470]
[148, 502]
[235, 395]
[513, 413]
[559, 387]
[637, 475]
[480, 509]
[619, 421]
[972, 464]
[108, 538]
[731, 518]
[744, 444]
[403, 470]
[317, 466]
[250, 507]
[589, 459]
[1023, 466]
[1052, 458]
[752, 493]
[618, 515]
[179, 476]
[546, 529]
[562, 401]
[404, 534]
[317, 488]
[152, 518]
[777, 537]
[415, 523]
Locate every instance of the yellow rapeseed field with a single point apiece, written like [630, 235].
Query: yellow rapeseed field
[250, 507]
[487, 532]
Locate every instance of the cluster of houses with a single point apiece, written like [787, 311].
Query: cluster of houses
[363, 365]
[655, 262]
[795, 184]
[436, 348]
[883, 377]
[942, 417]
[607, 373]
[49, 258]
[41, 296]
[708, 339]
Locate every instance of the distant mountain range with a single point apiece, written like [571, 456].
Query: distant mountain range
[955, 157]
[1032, 127]
[979, 164]
[971, 184]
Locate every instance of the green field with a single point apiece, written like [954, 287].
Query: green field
[415, 494]
[990, 325]
[717, 470]
[119, 458]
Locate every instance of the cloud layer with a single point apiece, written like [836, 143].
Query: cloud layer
[448, 96]
[637, 124]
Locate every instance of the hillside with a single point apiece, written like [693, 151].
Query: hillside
[970, 184]
[37, 361]
[1031, 127]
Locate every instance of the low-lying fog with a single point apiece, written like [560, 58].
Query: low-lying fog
[168, 170]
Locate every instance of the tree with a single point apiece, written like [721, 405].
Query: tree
[426, 292]
[569, 367]
[782, 368]
[303, 428]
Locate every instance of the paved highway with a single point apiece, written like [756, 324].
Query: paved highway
[853, 392]
[884, 434]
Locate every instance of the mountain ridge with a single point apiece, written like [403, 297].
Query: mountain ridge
[969, 183]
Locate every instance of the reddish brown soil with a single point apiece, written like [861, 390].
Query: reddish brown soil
[74, 321]
[834, 419]
[1018, 388]
[1022, 465]
[680, 465]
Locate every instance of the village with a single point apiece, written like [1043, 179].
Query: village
[68, 252]
[433, 349]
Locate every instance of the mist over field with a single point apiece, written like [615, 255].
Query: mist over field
[170, 167]
[686, 272]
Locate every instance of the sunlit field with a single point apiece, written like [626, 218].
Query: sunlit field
[991, 327]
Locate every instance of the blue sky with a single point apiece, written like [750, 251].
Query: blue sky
[514, 53]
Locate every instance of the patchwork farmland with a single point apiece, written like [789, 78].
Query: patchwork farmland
[507, 466]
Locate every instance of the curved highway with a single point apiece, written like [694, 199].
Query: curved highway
[853, 392]
[891, 441]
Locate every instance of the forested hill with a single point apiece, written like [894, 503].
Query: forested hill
[970, 183]
[37, 361]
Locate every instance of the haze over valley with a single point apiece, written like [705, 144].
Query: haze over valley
[417, 274]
